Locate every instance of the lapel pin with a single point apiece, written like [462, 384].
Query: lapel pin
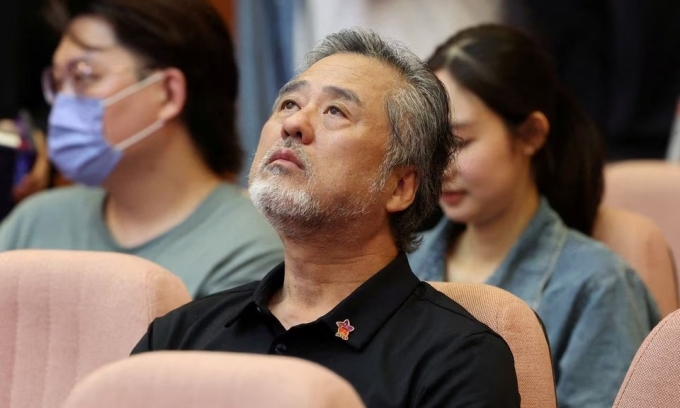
[344, 329]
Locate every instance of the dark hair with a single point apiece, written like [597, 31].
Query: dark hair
[188, 35]
[419, 117]
[514, 77]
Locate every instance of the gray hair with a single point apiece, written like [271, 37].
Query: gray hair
[420, 127]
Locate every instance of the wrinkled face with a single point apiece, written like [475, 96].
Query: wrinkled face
[320, 151]
[90, 62]
[484, 181]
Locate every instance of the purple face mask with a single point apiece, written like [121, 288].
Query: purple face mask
[76, 142]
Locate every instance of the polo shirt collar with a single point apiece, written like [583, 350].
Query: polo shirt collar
[264, 291]
[366, 309]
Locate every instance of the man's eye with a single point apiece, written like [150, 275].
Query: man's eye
[288, 105]
[333, 110]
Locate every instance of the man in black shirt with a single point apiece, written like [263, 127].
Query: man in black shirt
[348, 165]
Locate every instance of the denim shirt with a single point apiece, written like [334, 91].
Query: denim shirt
[595, 308]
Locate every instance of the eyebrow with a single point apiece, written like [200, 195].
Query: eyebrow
[337, 92]
[292, 87]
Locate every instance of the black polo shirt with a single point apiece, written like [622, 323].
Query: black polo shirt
[397, 340]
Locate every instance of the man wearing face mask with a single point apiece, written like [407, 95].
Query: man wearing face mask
[143, 119]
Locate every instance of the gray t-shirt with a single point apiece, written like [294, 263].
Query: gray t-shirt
[224, 243]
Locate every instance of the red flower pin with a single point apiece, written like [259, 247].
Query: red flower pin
[344, 329]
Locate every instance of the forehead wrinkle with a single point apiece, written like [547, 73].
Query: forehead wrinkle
[342, 93]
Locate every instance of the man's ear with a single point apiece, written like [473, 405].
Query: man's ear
[175, 94]
[403, 189]
[534, 133]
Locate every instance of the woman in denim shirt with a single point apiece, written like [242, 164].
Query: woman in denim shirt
[519, 202]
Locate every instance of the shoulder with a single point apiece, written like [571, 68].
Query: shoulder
[229, 206]
[593, 274]
[61, 199]
[438, 311]
[466, 356]
[200, 318]
[209, 309]
[592, 261]
[47, 211]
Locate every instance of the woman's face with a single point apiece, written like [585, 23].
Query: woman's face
[492, 172]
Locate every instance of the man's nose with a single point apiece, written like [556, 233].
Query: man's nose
[298, 125]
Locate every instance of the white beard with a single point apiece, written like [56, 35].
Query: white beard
[296, 211]
[277, 202]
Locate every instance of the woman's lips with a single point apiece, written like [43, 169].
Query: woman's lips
[452, 197]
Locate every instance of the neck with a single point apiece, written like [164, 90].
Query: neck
[146, 198]
[323, 270]
[483, 246]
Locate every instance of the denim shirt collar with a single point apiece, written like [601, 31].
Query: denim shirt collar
[534, 254]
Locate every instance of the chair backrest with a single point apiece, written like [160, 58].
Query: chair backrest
[65, 313]
[650, 188]
[639, 241]
[518, 324]
[653, 379]
[180, 379]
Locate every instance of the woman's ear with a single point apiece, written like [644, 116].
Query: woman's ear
[175, 87]
[534, 132]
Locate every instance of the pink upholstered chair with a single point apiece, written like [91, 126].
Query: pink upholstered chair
[650, 188]
[65, 313]
[639, 241]
[181, 379]
[516, 322]
[653, 379]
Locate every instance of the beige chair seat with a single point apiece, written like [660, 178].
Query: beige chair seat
[650, 188]
[639, 241]
[653, 379]
[182, 379]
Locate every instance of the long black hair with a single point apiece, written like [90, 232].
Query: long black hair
[514, 77]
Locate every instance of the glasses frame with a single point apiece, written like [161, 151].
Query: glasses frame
[50, 87]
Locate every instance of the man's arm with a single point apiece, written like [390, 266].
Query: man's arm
[478, 372]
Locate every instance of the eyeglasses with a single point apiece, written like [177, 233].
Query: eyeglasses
[78, 77]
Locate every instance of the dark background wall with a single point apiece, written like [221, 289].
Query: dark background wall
[26, 44]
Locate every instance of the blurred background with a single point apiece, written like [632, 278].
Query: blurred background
[620, 57]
